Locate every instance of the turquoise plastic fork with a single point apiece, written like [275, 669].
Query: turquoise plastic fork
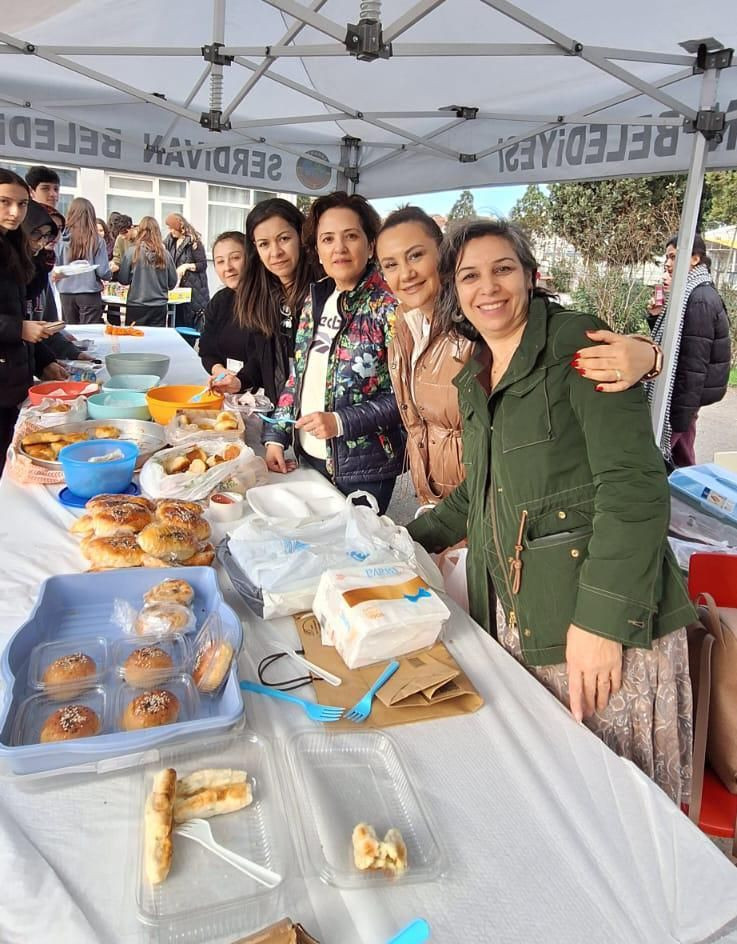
[362, 709]
[415, 933]
[322, 713]
[274, 422]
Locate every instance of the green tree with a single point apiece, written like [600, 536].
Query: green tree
[723, 192]
[304, 203]
[532, 212]
[463, 208]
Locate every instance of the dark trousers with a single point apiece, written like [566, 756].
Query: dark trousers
[683, 445]
[380, 489]
[152, 315]
[81, 308]
[8, 417]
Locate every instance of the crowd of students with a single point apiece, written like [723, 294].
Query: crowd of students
[391, 345]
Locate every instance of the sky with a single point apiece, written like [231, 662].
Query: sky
[489, 201]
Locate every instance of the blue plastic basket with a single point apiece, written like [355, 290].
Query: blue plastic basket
[78, 605]
[87, 479]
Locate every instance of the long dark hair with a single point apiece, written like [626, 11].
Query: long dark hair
[260, 294]
[413, 214]
[148, 243]
[340, 200]
[447, 309]
[82, 228]
[15, 250]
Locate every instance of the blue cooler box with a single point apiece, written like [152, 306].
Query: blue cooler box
[80, 606]
[709, 488]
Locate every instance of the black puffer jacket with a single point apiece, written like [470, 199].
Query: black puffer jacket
[18, 360]
[704, 358]
[184, 252]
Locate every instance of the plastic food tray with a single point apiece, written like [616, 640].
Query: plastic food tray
[82, 605]
[149, 437]
[204, 897]
[342, 779]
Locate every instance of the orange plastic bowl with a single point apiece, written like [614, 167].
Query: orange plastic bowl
[163, 402]
[71, 390]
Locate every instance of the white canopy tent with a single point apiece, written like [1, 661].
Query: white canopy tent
[408, 97]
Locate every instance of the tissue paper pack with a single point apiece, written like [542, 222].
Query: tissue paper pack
[375, 613]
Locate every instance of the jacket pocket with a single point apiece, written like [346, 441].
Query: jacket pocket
[524, 413]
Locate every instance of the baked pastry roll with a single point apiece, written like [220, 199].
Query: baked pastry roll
[202, 558]
[120, 550]
[168, 506]
[212, 801]
[123, 517]
[106, 500]
[69, 723]
[164, 618]
[146, 664]
[168, 542]
[211, 665]
[158, 824]
[150, 710]
[180, 517]
[170, 591]
[209, 778]
[65, 671]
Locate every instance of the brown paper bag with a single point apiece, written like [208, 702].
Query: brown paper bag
[428, 684]
[283, 932]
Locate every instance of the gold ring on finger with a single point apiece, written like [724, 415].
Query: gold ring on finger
[618, 375]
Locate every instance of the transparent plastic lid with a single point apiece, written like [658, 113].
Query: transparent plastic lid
[170, 702]
[342, 779]
[213, 652]
[68, 666]
[142, 661]
[204, 897]
[41, 719]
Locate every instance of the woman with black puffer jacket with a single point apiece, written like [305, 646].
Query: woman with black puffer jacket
[703, 355]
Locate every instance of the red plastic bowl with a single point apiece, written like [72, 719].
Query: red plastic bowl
[72, 389]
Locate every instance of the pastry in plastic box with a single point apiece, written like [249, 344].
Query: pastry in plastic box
[170, 591]
[213, 655]
[189, 426]
[375, 613]
[158, 619]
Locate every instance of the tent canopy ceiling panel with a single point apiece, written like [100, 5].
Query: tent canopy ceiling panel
[469, 93]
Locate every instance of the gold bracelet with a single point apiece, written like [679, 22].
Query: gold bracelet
[657, 367]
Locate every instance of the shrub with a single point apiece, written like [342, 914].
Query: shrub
[615, 297]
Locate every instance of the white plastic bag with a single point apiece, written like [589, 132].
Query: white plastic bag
[156, 483]
[285, 561]
[46, 414]
[190, 427]
[452, 566]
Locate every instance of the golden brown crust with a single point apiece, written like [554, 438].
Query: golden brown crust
[74, 667]
[169, 504]
[146, 664]
[107, 500]
[202, 558]
[179, 517]
[120, 550]
[123, 517]
[150, 710]
[170, 591]
[83, 525]
[211, 665]
[69, 723]
[44, 436]
[158, 825]
[167, 542]
[369, 853]
[107, 432]
[209, 778]
[40, 452]
[212, 801]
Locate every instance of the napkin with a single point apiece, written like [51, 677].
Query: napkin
[428, 684]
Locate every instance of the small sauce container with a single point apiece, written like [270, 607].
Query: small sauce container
[226, 506]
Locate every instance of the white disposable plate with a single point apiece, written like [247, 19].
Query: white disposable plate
[75, 268]
[296, 500]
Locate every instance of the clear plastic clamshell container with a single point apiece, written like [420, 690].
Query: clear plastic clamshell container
[138, 662]
[213, 651]
[341, 779]
[180, 686]
[44, 655]
[33, 713]
[203, 897]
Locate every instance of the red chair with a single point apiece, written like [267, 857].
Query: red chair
[715, 574]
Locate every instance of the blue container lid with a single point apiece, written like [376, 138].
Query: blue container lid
[76, 501]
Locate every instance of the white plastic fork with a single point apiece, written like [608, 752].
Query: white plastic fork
[199, 831]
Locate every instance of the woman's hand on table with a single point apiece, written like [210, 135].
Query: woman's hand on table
[319, 425]
[594, 667]
[617, 363]
[275, 461]
[225, 384]
[54, 371]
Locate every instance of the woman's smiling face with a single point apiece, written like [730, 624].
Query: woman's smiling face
[408, 256]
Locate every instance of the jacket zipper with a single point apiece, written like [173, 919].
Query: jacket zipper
[513, 621]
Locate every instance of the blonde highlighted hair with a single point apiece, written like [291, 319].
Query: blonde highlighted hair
[148, 237]
[82, 228]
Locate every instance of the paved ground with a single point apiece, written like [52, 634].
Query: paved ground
[716, 431]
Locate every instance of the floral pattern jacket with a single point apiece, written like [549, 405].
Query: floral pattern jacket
[359, 387]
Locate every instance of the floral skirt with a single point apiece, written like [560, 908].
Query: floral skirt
[649, 720]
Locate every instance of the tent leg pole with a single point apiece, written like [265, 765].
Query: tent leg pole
[686, 233]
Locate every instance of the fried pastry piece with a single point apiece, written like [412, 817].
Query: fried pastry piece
[369, 853]
[120, 550]
[43, 437]
[158, 825]
[40, 452]
[212, 801]
[107, 432]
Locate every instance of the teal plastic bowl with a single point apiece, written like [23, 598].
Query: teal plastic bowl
[118, 405]
[134, 363]
[87, 479]
[140, 382]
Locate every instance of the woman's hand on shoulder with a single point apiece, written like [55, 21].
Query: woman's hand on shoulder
[275, 461]
[616, 363]
[594, 666]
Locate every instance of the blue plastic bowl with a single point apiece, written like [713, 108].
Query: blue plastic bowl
[88, 479]
[140, 382]
[118, 405]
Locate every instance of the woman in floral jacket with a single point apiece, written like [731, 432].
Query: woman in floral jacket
[338, 399]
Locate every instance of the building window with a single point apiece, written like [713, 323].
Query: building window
[145, 196]
[68, 179]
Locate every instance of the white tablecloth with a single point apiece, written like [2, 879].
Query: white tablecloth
[549, 836]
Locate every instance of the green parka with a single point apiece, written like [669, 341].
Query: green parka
[565, 502]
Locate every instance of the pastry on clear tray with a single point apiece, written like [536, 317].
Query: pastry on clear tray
[371, 853]
[69, 723]
[170, 591]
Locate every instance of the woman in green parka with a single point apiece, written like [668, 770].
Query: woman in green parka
[565, 507]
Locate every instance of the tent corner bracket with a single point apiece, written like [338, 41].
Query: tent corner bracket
[213, 120]
[364, 40]
[468, 158]
[211, 53]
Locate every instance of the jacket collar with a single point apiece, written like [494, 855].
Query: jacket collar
[323, 289]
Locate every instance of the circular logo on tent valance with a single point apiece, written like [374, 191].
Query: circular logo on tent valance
[314, 176]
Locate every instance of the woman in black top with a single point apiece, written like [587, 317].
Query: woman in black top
[253, 327]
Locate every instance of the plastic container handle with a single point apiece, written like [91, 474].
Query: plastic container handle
[274, 692]
[414, 933]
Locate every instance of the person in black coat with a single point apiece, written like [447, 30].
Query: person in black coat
[185, 247]
[20, 352]
[702, 370]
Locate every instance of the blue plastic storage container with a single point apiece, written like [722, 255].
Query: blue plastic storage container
[87, 479]
[81, 605]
